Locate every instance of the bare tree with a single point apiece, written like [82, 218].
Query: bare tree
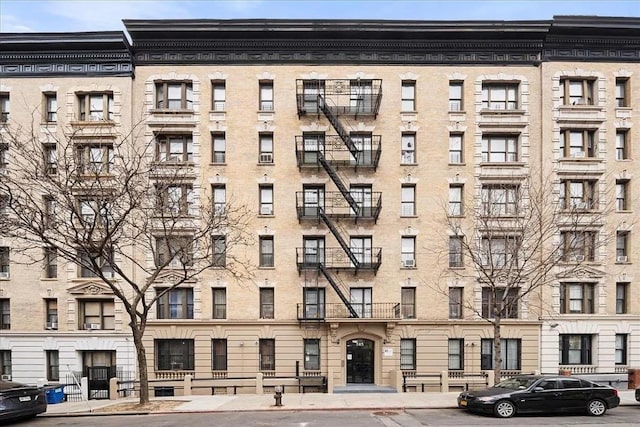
[123, 211]
[518, 237]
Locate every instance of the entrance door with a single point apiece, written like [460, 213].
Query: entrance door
[360, 361]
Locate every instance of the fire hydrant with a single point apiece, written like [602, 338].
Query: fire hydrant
[278, 395]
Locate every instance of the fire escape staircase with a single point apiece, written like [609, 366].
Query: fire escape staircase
[338, 288]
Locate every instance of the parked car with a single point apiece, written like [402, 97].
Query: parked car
[20, 401]
[535, 393]
[638, 394]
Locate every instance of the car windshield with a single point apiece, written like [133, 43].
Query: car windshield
[516, 383]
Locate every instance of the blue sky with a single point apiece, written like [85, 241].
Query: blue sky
[92, 15]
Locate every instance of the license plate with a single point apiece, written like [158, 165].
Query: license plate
[463, 403]
[24, 398]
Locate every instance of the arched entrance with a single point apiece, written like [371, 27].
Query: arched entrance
[360, 361]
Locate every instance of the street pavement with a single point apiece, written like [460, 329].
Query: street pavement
[293, 401]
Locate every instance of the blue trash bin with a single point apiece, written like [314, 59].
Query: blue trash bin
[54, 395]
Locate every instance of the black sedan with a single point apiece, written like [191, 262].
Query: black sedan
[20, 401]
[544, 394]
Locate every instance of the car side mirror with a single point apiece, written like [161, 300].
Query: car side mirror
[537, 389]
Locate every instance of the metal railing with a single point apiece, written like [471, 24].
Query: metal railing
[336, 258]
[334, 205]
[380, 310]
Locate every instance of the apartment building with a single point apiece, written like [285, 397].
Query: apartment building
[354, 143]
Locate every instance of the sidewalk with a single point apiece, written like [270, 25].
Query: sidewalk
[294, 401]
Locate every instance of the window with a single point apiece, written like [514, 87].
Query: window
[408, 303]
[622, 145]
[577, 298]
[408, 96]
[174, 252]
[4, 107]
[622, 92]
[455, 252]
[266, 303]
[96, 314]
[455, 303]
[408, 148]
[621, 349]
[95, 158]
[313, 303]
[506, 302]
[361, 247]
[175, 199]
[50, 107]
[622, 187]
[266, 148]
[500, 199]
[219, 94]
[175, 304]
[577, 246]
[174, 148]
[95, 106]
[361, 96]
[218, 354]
[219, 296]
[174, 95]
[577, 194]
[575, 349]
[455, 96]
[266, 199]
[50, 159]
[576, 91]
[266, 96]
[577, 143]
[5, 362]
[363, 196]
[50, 263]
[622, 246]
[455, 148]
[4, 157]
[510, 351]
[455, 200]
[51, 313]
[219, 149]
[311, 354]
[408, 194]
[408, 252]
[500, 96]
[313, 250]
[4, 262]
[499, 148]
[91, 262]
[219, 199]
[93, 213]
[456, 354]
[174, 354]
[5, 313]
[361, 301]
[622, 298]
[266, 251]
[53, 365]
[267, 354]
[499, 252]
[408, 354]
[49, 210]
[219, 251]
[312, 90]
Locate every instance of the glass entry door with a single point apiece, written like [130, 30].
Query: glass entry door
[360, 361]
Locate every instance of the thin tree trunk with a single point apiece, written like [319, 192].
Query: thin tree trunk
[497, 350]
[142, 365]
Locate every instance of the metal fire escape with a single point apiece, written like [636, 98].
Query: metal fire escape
[339, 91]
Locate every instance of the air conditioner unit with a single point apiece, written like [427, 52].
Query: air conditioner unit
[4, 274]
[580, 101]
[409, 263]
[622, 258]
[5, 377]
[52, 325]
[266, 158]
[176, 366]
[266, 210]
[578, 154]
[92, 326]
[577, 258]
[108, 274]
[580, 205]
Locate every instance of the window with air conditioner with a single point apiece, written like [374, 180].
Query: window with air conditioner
[266, 200]
[455, 95]
[174, 148]
[408, 252]
[577, 91]
[578, 143]
[499, 96]
[4, 262]
[622, 246]
[577, 246]
[408, 203]
[266, 148]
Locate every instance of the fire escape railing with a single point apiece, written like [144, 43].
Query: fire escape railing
[334, 206]
[337, 154]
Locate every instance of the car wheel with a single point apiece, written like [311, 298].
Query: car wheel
[596, 407]
[504, 409]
